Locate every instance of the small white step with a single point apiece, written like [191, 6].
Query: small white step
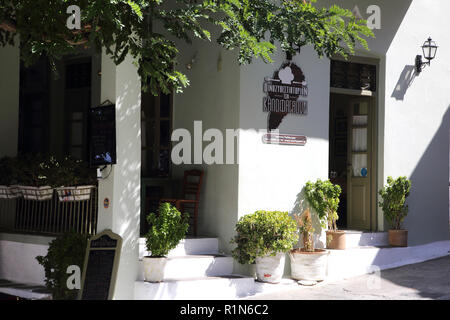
[25, 291]
[188, 246]
[354, 239]
[194, 266]
[353, 262]
[203, 288]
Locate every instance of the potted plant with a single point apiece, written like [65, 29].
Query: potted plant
[263, 238]
[74, 181]
[308, 263]
[167, 228]
[395, 209]
[323, 196]
[7, 179]
[65, 250]
[34, 172]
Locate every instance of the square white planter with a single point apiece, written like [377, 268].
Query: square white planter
[80, 193]
[36, 193]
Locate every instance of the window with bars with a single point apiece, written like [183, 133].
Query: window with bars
[156, 126]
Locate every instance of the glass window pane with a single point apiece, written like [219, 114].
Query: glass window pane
[359, 140]
[76, 152]
[147, 105]
[165, 105]
[360, 120]
[164, 162]
[77, 133]
[164, 138]
[359, 165]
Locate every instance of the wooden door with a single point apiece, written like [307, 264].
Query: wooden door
[359, 163]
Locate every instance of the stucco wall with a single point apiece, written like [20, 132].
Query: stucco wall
[416, 118]
[18, 254]
[213, 98]
[9, 100]
[413, 122]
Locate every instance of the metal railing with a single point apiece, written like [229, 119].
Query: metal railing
[49, 216]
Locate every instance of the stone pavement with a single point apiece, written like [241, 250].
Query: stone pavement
[424, 281]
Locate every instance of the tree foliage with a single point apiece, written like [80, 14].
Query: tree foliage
[122, 27]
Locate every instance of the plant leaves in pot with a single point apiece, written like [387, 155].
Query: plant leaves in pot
[308, 263]
[167, 228]
[323, 197]
[263, 238]
[393, 203]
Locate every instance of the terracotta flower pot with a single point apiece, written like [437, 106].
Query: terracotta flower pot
[336, 240]
[309, 265]
[398, 238]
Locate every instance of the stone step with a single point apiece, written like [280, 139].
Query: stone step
[194, 266]
[202, 288]
[354, 239]
[24, 290]
[361, 260]
[188, 246]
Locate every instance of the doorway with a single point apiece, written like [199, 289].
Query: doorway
[352, 157]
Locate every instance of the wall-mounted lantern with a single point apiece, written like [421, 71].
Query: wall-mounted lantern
[429, 49]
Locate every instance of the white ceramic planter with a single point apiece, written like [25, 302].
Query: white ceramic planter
[79, 193]
[270, 268]
[154, 269]
[36, 193]
[309, 265]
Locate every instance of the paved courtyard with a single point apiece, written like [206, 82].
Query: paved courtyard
[424, 281]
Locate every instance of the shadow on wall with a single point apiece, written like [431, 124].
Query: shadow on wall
[404, 82]
[300, 205]
[428, 218]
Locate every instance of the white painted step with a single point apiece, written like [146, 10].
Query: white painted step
[203, 288]
[194, 266]
[188, 246]
[23, 290]
[353, 262]
[354, 239]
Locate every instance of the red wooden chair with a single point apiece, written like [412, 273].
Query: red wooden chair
[192, 183]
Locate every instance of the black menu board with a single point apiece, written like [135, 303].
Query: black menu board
[101, 263]
[102, 135]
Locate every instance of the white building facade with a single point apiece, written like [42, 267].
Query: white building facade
[406, 134]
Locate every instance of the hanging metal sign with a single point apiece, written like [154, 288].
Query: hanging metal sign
[283, 94]
[284, 139]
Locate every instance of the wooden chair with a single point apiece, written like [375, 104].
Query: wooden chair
[192, 183]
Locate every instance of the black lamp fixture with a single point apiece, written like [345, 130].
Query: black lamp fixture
[429, 49]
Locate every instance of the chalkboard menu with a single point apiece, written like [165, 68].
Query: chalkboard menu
[102, 135]
[100, 268]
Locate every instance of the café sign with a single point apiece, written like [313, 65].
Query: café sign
[285, 90]
[284, 139]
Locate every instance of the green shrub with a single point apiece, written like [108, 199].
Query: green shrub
[393, 200]
[263, 233]
[66, 250]
[323, 196]
[167, 228]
